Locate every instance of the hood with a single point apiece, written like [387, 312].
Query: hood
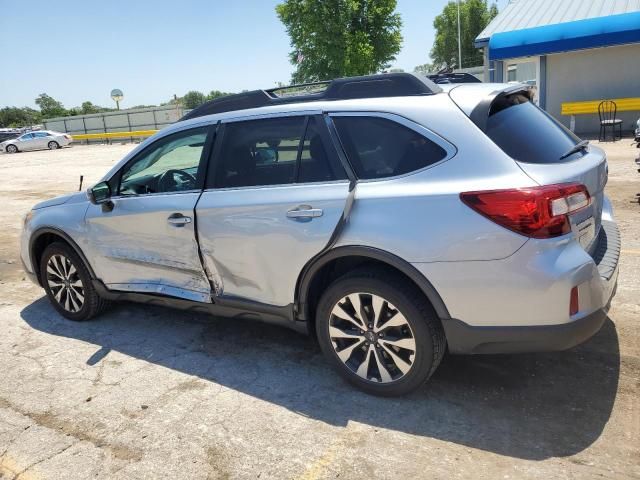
[76, 197]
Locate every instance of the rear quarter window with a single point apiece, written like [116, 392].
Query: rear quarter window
[528, 134]
[379, 148]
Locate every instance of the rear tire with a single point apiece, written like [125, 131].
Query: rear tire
[399, 344]
[68, 285]
[53, 145]
[11, 149]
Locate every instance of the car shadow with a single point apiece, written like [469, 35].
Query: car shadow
[530, 406]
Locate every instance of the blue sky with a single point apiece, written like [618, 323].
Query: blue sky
[77, 50]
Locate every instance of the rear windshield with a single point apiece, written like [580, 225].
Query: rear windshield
[527, 133]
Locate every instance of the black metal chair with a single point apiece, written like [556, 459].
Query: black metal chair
[607, 110]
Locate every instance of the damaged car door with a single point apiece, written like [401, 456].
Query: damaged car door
[143, 238]
[275, 194]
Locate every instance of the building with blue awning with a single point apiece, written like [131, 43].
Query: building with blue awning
[571, 50]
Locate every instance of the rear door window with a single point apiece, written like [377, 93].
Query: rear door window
[378, 147]
[528, 134]
[275, 151]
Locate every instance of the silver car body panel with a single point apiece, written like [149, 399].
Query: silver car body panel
[134, 248]
[246, 247]
[253, 248]
[528, 288]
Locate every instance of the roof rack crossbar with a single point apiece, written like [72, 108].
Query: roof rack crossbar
[369, 86]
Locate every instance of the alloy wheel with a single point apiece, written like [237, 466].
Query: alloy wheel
[65, 283]
[372, 337]
[53, 145]
[12, 149]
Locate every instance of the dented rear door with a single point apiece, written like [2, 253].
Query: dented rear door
[255, 239]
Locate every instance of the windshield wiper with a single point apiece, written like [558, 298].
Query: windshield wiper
[576, 148]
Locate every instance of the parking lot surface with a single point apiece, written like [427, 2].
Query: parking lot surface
[146, 392]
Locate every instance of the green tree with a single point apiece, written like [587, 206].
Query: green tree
[475, 15]
[425, 68]
[50, 107]
[338, 38]
[19, 117]
[213, 94]
[193, 99]
[88, 107]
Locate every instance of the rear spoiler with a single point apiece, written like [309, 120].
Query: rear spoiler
[481, 111]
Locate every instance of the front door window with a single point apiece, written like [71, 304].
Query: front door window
[171, 165]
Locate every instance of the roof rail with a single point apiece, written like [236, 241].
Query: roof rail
[369, 86]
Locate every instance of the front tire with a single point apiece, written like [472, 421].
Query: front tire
[11, 149]
[68, 285]
[379, 332]
[53, 145]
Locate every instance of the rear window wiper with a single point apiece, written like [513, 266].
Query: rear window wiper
[576, 148]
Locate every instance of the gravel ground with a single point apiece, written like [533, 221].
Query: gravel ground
[149, 392]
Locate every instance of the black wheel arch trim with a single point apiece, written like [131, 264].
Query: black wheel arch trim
[314, 266]
[66, 237]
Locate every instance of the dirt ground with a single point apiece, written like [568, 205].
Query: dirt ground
[149, 392]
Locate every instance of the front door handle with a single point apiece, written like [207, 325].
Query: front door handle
[304, 212]
[178, 220]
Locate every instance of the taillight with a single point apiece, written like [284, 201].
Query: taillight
[538, 212]
[68, 137]
[574, 301]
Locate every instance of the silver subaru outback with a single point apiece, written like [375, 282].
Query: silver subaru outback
[391, 218]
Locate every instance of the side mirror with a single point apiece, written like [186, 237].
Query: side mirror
[99, 193]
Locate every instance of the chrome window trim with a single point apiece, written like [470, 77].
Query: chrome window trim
[450, 149]
[278, 185]
[155, 194]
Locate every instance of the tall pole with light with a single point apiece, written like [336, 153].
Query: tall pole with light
[459, 42]
[117, 96]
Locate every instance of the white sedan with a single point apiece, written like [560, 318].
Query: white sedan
[38, 140]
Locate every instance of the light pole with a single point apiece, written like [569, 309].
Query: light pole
[117, 96]
[459, 43]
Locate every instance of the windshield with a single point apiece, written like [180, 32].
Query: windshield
[528, 134]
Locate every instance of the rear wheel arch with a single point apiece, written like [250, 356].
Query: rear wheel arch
[322, 270]
[42, 238]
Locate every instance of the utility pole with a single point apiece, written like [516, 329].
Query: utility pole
[459, 42]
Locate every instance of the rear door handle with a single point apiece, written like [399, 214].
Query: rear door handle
[178, 220]
[304, 212]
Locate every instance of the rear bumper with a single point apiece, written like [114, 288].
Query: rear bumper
[545, 338]
[497, 308]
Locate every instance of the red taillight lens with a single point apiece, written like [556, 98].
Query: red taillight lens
[574, 301]
[538, 212]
